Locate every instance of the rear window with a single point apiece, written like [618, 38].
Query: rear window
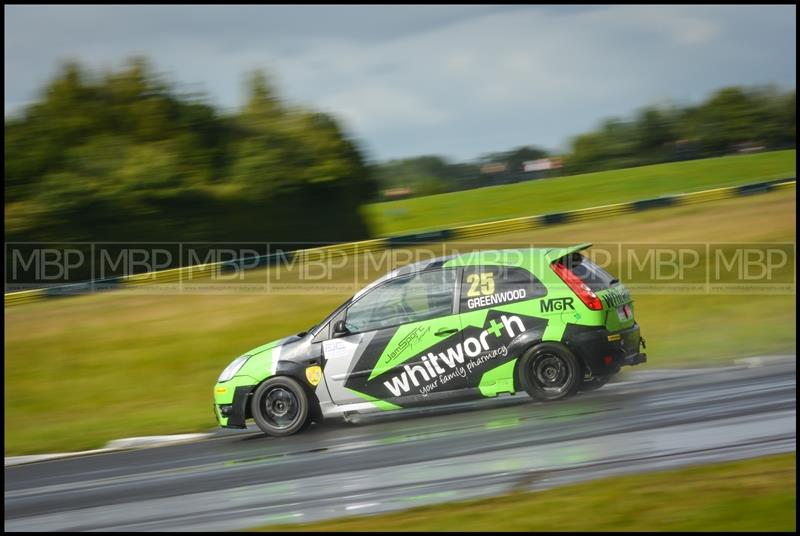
[591, 274]
[490, 286]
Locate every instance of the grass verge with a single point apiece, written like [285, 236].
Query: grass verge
[751, 495]
[574, 192]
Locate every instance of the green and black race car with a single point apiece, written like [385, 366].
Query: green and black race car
[546, 321]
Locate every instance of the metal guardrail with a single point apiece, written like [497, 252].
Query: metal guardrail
[462, 232]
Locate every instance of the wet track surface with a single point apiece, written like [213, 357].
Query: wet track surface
[650, 419]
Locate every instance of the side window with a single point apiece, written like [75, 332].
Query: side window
[404, 299]
[488, 286]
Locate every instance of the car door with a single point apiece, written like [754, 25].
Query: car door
[496, 304]
[393, 330]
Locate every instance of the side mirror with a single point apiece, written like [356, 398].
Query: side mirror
[340, 328]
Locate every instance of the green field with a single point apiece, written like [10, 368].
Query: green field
[84, 370]
[752, 495]
[574, 192]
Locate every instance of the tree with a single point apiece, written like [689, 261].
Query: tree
[730, 117]
[654, 132]
[123, 156]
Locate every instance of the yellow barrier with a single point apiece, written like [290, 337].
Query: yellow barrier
[25, 296]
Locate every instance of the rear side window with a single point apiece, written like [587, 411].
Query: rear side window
[591, 274]
[490, 286]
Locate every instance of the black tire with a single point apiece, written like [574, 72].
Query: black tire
[595, 383]
[550, 371]
[280, 406]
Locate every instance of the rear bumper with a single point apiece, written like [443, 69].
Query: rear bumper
[605, 352]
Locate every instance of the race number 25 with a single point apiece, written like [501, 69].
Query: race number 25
[480, 284]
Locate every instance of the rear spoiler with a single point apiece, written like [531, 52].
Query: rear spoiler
[554, 254]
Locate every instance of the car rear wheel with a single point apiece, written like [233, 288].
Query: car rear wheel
[549, 371]
[280, 406]
[595, 383]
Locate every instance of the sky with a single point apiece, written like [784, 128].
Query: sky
[458, 81]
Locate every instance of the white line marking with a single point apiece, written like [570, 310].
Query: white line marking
[111, 446]
[357, 506]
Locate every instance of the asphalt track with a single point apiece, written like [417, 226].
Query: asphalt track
[649, 420]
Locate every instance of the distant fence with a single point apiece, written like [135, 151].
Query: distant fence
[463, 232]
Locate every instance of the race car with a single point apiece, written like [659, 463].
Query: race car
[549, 322]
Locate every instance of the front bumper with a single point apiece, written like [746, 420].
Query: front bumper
[232, 401]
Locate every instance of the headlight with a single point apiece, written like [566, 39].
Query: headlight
[231, 370]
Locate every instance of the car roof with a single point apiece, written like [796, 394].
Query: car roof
[512, 256]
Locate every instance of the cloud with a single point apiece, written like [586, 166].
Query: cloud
[456, 80]
[383, 108]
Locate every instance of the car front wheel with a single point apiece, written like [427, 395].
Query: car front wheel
[280, 406]
[549, 371]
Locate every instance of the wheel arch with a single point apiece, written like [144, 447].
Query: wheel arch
[296, 371]
[519, 345]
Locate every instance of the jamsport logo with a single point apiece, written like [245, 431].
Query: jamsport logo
[432, 364]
